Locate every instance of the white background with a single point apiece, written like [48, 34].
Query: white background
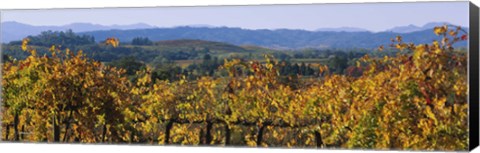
[73, 148]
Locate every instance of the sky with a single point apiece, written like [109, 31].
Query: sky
[370, 16]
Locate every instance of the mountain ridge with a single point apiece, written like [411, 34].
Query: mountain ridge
[343, 29]
[274, 39]
[12, 30]
[413, 28]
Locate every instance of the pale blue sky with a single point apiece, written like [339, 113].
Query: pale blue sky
[370, 16]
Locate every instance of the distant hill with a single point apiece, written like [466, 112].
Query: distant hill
[275, 39]
[16, 31]
[414, 28]
[343, 29]
[190, 43]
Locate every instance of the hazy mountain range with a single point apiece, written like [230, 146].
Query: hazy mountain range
[413, 28]
[343, 29]
[343, 37]
[16, 31]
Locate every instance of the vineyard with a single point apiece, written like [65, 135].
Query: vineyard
[416, 100]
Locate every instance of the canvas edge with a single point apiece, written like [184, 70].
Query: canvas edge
[473, 60]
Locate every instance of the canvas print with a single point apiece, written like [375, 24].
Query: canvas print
[386, 76]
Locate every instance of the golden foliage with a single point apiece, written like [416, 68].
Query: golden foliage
[416, 100]
[112, 41]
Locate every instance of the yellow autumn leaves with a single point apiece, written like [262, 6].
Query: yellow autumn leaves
[394, 105]
[440, 30]
[24, 43]
[112, 41]
[69, 97]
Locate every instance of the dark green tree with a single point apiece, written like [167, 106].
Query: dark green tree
[141, 41]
